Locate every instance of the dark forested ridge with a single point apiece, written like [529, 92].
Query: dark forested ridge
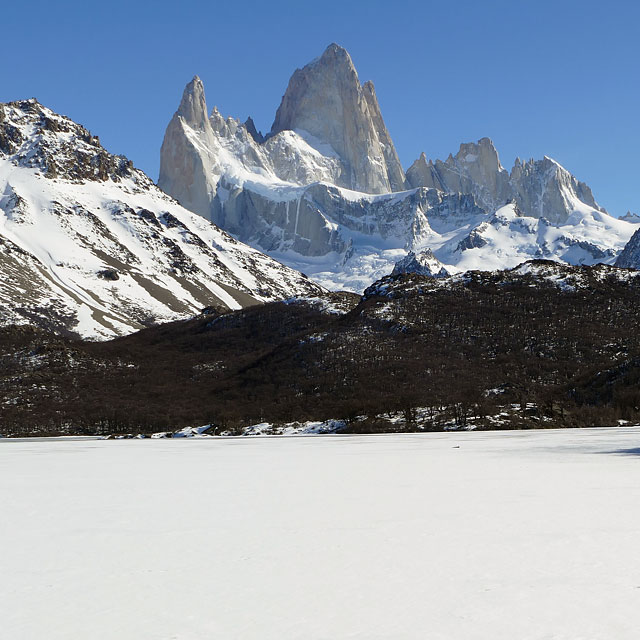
[539, 345]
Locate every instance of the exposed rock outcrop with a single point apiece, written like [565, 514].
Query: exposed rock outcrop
[320, 219]
[186, 169]
[630, 217]
[325, 99]
[475, 169]
[543, 188]
[630, 256]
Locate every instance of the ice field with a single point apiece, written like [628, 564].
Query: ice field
[526, 535]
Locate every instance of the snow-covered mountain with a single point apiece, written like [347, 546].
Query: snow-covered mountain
[324, 191]
[91, 247]
[507, 237]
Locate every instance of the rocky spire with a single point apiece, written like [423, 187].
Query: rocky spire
[541, 188]
[395, 173]
[325, 99]
[183, 173]
[475, 169]
[544, 188]
[193, 107]
[630, 217]
[423, 174]
[250, 126]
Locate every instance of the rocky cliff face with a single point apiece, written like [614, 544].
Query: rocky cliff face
[475, 169]
[326, 100]
[187, 162]
[630, 256]
[543, 188]
[92, 248]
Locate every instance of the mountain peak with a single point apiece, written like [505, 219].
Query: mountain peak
[483, 151]
[423, 263]
[630, 256]
[336, 52]
[336, 61]
[193, 106]
[32, 135]
[250, 126]
[325, 99]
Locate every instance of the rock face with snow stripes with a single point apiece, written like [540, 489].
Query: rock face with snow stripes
[630, 256]
[324, 191]
[92, 248]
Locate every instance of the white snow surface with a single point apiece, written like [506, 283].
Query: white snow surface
[474, 536]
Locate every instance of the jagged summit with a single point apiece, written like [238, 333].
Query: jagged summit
[250, 126]
[475, 169]
[630, 217]
[630, 256]
[193, 106]
[423, 263]
[541, 188]
[325, 98]
[334, 55]
[35, 137]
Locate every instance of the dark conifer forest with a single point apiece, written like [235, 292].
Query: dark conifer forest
[552, 346]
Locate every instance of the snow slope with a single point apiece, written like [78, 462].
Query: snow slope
[92, 247]
[468, 536]
[508, 238]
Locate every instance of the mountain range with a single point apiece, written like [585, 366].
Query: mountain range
[92, 248]
[324, 190]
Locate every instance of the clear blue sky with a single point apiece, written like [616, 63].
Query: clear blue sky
[555, 78]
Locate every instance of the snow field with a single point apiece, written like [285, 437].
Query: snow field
[500, 536]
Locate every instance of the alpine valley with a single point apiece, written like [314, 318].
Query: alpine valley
[451, 295]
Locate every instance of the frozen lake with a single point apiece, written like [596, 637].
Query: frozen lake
[496, 536]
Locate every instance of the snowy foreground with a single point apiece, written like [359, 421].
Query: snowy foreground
[516, 535]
